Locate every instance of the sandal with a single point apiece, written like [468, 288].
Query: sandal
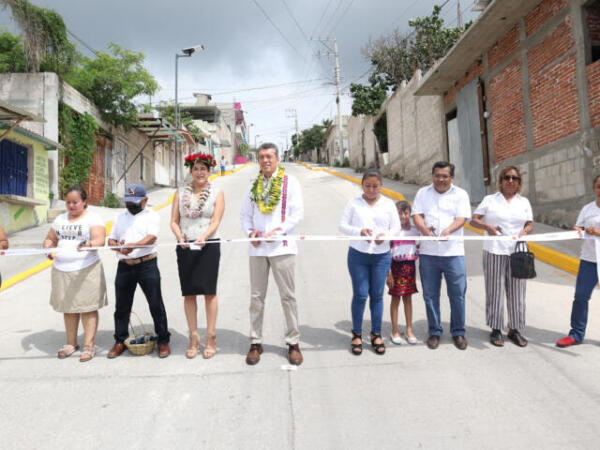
[378, 348]
[192, 350]
[516, 337]
[210, 349]
[67, 350]
[356, 349]
[496, 338]
[88, 352]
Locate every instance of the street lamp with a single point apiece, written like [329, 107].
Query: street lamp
[187, 52]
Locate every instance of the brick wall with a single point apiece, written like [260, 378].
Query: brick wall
[593, 77]
[96, 183]
[474, 72]
[504, 47]
[553, 86]
[542, 13]
[505, 96]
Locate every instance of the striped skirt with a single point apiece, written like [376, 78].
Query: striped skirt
[498, 281]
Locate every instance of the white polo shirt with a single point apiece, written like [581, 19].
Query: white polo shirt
[382, 217]
[509, 216]
[130, 228]
[439, 211]
[589, 217]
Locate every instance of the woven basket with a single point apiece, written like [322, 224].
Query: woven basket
[139, 349]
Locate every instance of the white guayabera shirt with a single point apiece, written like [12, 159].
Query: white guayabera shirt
[253, 220]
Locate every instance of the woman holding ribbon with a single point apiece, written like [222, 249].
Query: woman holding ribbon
[504, 213]
[78, 283]
[587, 276]
[195, 218]
[369, 261]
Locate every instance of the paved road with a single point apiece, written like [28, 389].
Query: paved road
[412, 397]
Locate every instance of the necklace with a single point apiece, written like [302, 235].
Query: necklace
[190, 209]
[267, 197]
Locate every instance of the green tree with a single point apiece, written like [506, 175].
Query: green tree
[367, 99]
[46, 45]
[396, 57]
[111, 81]
[12, 58]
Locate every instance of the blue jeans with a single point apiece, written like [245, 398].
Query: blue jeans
[431, 269]
[587, 278]
[368, 273]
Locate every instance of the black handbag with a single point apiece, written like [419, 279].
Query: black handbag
[522, 262]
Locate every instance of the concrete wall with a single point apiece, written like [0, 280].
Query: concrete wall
[543, 95]
[416, 134]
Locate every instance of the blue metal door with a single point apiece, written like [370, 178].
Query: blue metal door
[13, 168]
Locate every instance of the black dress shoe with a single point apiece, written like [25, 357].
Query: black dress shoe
[460, 342]
[433, 342]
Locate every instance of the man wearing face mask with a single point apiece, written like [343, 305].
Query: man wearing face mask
[134, 233]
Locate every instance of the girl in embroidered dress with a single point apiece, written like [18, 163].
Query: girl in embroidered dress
[195, 218]
[401, 278]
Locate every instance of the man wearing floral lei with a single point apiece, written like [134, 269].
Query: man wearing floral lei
[272, 207]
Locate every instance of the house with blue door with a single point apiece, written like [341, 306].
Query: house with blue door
[24, 172]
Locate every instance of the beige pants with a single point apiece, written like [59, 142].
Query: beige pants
[283, 272]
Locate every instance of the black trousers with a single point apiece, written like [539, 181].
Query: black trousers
[145, 274]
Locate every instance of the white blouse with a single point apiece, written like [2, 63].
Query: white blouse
[509, 216]
[382, 217]
[589, 217]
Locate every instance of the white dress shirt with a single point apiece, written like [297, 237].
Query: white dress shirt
[130, 228]
[253, 220]
[439, 211]
[589, 217]
[509, 216]
[382, 217]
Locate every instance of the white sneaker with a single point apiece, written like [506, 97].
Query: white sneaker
[397, 341]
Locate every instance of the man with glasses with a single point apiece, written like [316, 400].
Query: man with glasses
[441, 209]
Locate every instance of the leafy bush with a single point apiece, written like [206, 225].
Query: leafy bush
[110, 200]
[337, 164]
[346, 163]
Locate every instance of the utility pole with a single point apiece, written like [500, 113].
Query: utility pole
[338, 99]
[459, 15]
[233, 131]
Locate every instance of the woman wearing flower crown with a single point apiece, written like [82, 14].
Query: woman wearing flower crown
[195, 218]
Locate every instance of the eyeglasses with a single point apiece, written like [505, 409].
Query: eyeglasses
[511, 178]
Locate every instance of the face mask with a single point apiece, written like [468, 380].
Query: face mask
[133, 208]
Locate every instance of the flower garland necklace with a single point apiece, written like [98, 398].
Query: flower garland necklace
[267, 197]
[189, 209]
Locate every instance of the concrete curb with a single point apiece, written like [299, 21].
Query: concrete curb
[545, 254]
[46, 264]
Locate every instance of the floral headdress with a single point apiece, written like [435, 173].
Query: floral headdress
[205, 158]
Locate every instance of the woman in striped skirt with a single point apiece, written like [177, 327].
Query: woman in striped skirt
[508, 213]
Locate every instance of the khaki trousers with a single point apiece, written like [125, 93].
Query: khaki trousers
[283, 272]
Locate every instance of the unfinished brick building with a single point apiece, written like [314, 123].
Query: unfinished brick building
[522, 87]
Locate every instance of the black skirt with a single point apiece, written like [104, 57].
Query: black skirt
[199, 269]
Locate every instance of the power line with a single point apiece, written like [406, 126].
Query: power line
[402, 14]
[321, 18]
[342, 16]
[295, 21]
[82, 42]
[336, 9]
[278, 29]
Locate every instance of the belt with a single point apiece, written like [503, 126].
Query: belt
[135, 261]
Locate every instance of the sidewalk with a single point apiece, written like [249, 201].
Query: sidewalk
[570, 249]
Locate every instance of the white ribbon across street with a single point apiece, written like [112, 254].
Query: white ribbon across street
[543, 237]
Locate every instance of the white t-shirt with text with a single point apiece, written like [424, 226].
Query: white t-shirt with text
[70, 234]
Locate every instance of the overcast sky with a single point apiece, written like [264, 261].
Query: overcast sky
[245, 50]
